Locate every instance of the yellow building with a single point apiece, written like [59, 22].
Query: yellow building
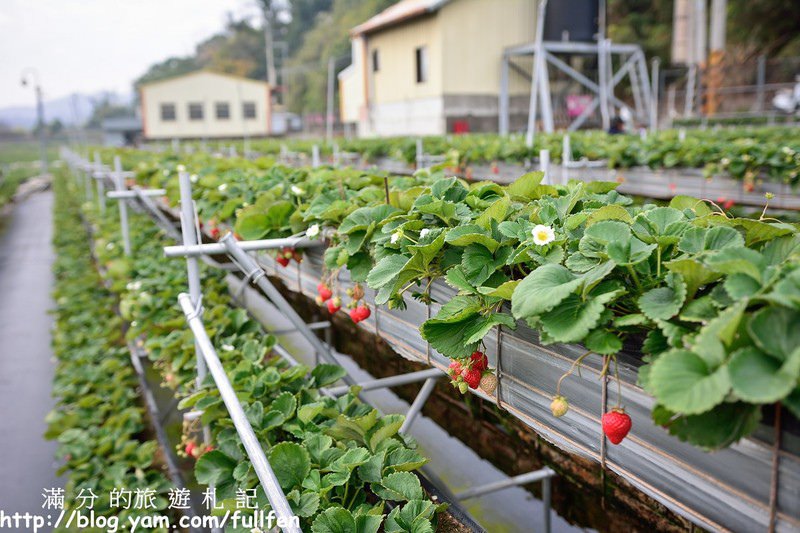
[205, 105]
[432, 66]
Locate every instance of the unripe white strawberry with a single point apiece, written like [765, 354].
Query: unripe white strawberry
[489, 383]
[559, 406]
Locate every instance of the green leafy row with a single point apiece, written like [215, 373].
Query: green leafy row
[580, 263]
[340, 463]
[746, 154]
[97, 420]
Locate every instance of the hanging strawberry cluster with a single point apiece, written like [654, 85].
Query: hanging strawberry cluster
[286, 254]
[472, 373]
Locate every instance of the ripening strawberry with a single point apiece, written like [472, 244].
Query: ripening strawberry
[472, 377]
[324, 292]
[319, 301]
[363, 312]
[479, 361]
[297, 256]
[283, 261]
[215, 233]
[334, 304]
[455, 368]
[616, 424]
[729, 204]
[495, 168]
[559, 406]
[354, 315]
[190, 448]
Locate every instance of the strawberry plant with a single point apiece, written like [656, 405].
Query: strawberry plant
[703, 295]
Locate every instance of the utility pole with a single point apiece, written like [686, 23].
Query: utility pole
[716, 54]
[270, 49]
[40, 124]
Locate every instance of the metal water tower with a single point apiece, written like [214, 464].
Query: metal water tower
[572, 20]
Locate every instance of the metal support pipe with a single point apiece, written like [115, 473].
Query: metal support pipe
[503, 103]
[256, 274]
[420, 154]
[391, 381]
[416, 407]
[127, 195]
[192, 266]
[215, 248]
[324, 324]
[123, 207]
[314, 156]
[269, 482]
[544, 166]
[654, 77]
[566, 158]
[522, 479]
[148, 204]
[536, 72]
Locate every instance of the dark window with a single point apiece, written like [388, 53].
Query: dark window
[376, 64]
[422, 64]
[167, 112]
[223, 111]
[195, 111]
[249, 109]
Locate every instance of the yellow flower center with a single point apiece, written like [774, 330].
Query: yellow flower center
[542, 235]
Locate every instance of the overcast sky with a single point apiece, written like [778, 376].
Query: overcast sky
[92, 45]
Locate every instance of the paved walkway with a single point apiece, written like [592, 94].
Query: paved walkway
[26, 361]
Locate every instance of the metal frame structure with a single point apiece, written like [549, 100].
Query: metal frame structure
[545, 53]
[208, 360]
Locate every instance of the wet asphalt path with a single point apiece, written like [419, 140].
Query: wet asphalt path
[26, 360]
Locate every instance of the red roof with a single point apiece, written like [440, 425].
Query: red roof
[397, 13]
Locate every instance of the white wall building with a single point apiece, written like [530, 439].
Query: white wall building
[205, 105]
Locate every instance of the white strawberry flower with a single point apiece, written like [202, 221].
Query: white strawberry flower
[222, 187]
[297, 191]
[227, 347]
[543, 234]
[181, 168]
[424, 232]
[312, 231]
[396, 236]
[193, 178]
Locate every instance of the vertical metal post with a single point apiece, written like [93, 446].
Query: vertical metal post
[192, 265]
[503, 102]
[654, 77]
[335, 154]
[42, 128]
[329, 103]
[420, 155]
[602, 82]
[547, 497]
[544, 165]
[538, 56]
[761, 76]
[87, 182]
[123, 207]
[315, 156]
[688, 103]
[101, 188]
[566, 158]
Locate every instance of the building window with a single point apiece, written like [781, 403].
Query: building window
[223, 111]
[249, 109]
[167, 112]
[376, 64]
[195, 111]
[422, 64]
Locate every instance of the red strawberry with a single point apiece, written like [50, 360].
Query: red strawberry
[479, 361]
[215, 233]
[324, 292]
[721, 200]
[472, 378]
[334, 304]
[283, 261]
[616, 424]
[354, 315]
[495, 169]
[190, 448]
[729, 204]
[749, 187]
[363, 312]
[455, 368]
[672, 187]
